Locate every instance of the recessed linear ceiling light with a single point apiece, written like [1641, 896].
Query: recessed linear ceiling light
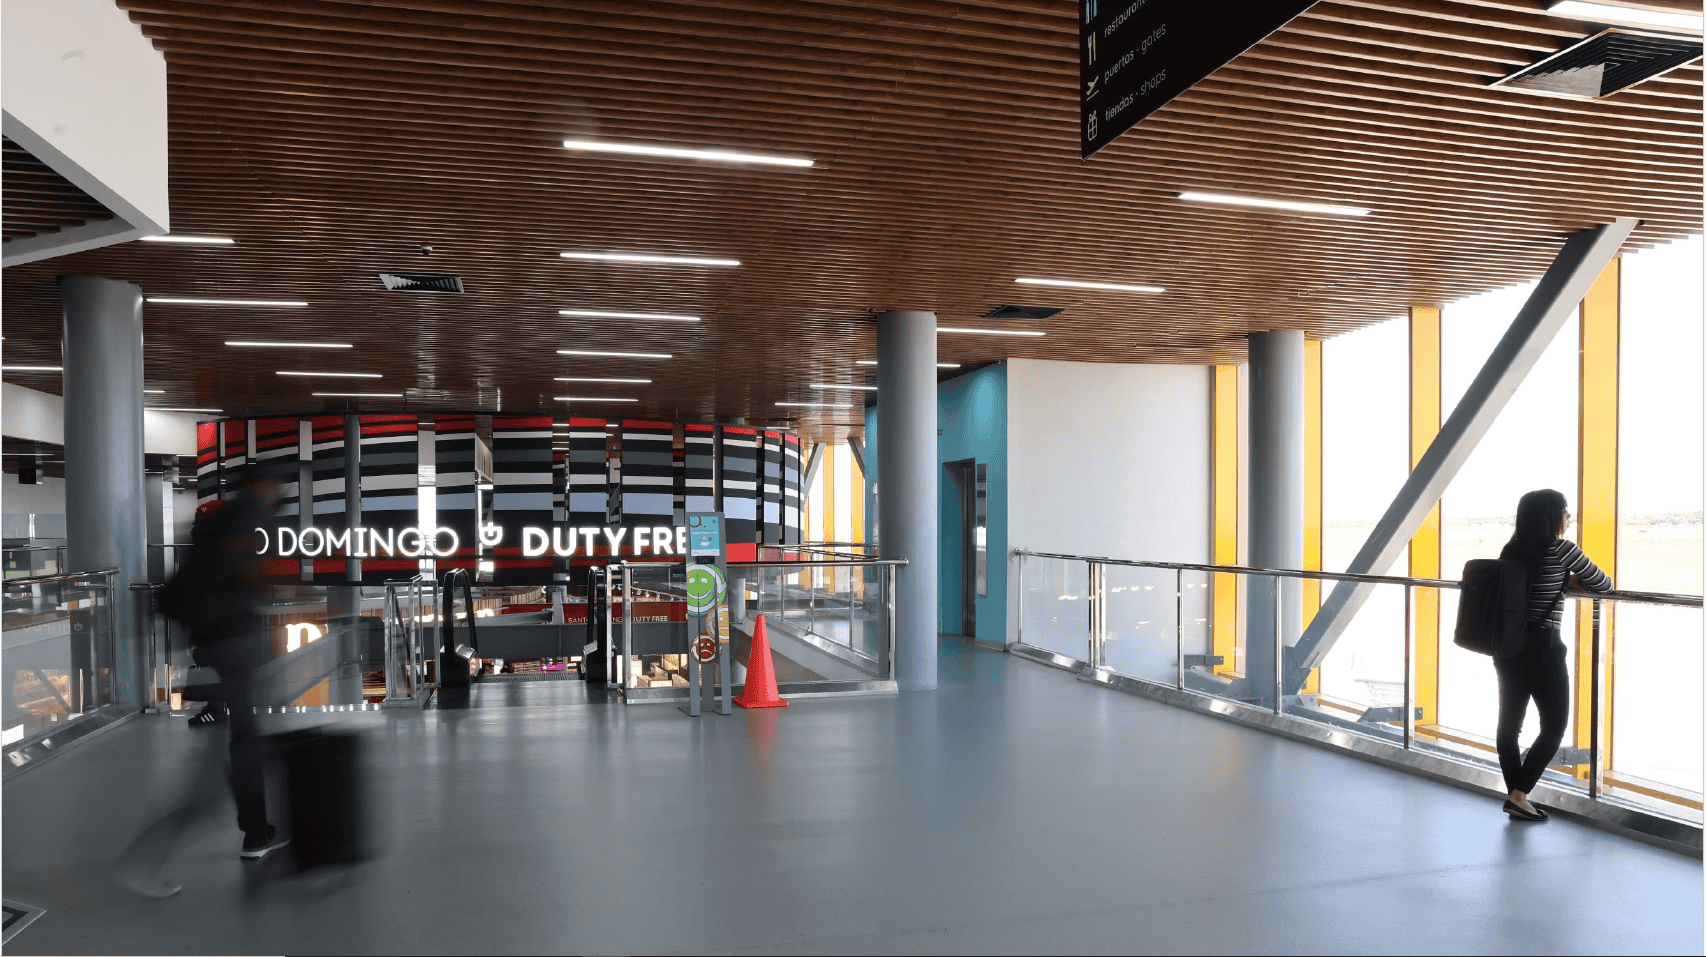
[591, 398]
[32, 368]
[614, 355]
[818, 405]
[153, 391]
[339, 375]
[648, 258]
[208, 411]
[1285, 204]
[835, 387]
[939, 365]
[205, 240]
[227, 302]
[992, 332]
[596, 314]
[1617, 13]
[576, 378]
[292, 345]
[726, 156]
[360, 395]
[1076, 284]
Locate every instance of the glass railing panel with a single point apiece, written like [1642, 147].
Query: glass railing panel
[1055, 605]
[1655, 708]
[57, 656]
[1143, 620]
[824, 622]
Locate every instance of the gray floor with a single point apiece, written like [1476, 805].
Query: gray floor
[1014, 810]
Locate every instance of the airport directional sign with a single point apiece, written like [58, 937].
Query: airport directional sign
[1136, 55]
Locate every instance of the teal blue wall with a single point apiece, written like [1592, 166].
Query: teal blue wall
[971, 416]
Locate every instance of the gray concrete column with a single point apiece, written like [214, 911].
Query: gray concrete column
[105, 500]
[906, 484]
[1276, 497]
[343, 602]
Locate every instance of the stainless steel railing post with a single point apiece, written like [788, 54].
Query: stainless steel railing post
[1098, 615]
[1019, 604]
[1279, 650]
[1179, 622]
[1596, 707]
[1409, 677]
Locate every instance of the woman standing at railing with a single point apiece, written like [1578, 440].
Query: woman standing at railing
[1539, 671]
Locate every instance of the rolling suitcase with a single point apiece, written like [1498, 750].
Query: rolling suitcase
[323, 782]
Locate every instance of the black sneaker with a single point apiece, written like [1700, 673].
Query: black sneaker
[211, 714]
[259, 843]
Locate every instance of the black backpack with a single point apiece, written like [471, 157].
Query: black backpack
[1492, 607]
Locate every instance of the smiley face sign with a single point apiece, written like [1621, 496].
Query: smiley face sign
[705, 649]
[704, 588]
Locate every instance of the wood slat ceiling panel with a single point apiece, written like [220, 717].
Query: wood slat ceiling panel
[331, 139]
[39, 200]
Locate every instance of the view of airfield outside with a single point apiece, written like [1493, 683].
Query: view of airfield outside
[1656, 702]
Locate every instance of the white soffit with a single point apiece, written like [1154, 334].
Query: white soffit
[85, 92]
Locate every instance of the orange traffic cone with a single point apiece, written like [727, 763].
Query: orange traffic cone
[760, 691]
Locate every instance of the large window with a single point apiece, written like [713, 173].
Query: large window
[1531, 445]
[1365, 459]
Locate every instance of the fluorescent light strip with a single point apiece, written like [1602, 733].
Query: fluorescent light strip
[939, 365]
[204, 240]
[592, 398]
[339, 375]
[833, 386]
[360, 395]
[992, 332]
[596, 314]
[208, 411]
[614, 355]
[726, 156]
[1286, 204]
[1609, 13]
[153, 391]
[572, 378]
[1077, 284]
[292, 345]
[648, 258]
[818, 405]
[227, 302]
[32, 368]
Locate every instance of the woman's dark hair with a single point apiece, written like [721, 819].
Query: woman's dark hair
[1538, 515]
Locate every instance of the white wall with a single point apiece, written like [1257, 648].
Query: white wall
[1110, 460]
[85, 93]
[40, 417]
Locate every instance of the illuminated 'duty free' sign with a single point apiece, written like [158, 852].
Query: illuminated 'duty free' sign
[441, 542]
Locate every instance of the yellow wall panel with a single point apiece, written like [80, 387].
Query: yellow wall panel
[1223, 471]
[1596, 494]
[1425, 544]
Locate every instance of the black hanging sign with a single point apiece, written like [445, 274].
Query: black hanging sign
[1136, 55]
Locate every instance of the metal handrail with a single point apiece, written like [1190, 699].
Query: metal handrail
[1640, 597]
[68, 576]
[33, 548]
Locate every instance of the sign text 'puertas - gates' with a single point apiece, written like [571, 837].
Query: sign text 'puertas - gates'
[441, 542]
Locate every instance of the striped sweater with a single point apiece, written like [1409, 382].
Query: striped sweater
[1561, 559]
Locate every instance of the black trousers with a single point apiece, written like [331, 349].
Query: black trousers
[1539, 672]
[236, 690]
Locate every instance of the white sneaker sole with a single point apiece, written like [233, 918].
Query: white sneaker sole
[264, 851]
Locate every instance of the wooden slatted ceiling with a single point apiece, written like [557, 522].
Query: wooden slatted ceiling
[39, 200]
[331, 139]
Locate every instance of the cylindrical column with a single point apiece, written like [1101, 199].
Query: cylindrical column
[1276, 495]
[906, 484]
[106, 525]
[343, 602]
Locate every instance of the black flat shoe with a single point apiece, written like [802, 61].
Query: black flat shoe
[1516, 811]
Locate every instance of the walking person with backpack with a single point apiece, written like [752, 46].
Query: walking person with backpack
[219, 596]
[1538, 669]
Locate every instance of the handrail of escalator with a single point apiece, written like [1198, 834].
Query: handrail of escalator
[451, 577]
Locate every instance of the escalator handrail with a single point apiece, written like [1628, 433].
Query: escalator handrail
[451, 577]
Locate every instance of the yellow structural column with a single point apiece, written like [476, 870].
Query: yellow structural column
[1311, 491]
[1596, 494]
[1425, 544]
[1223, 498]
[826, 470]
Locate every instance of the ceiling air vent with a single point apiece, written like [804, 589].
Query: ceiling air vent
[1601, 65]
[421, 281]
[1021, 312]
